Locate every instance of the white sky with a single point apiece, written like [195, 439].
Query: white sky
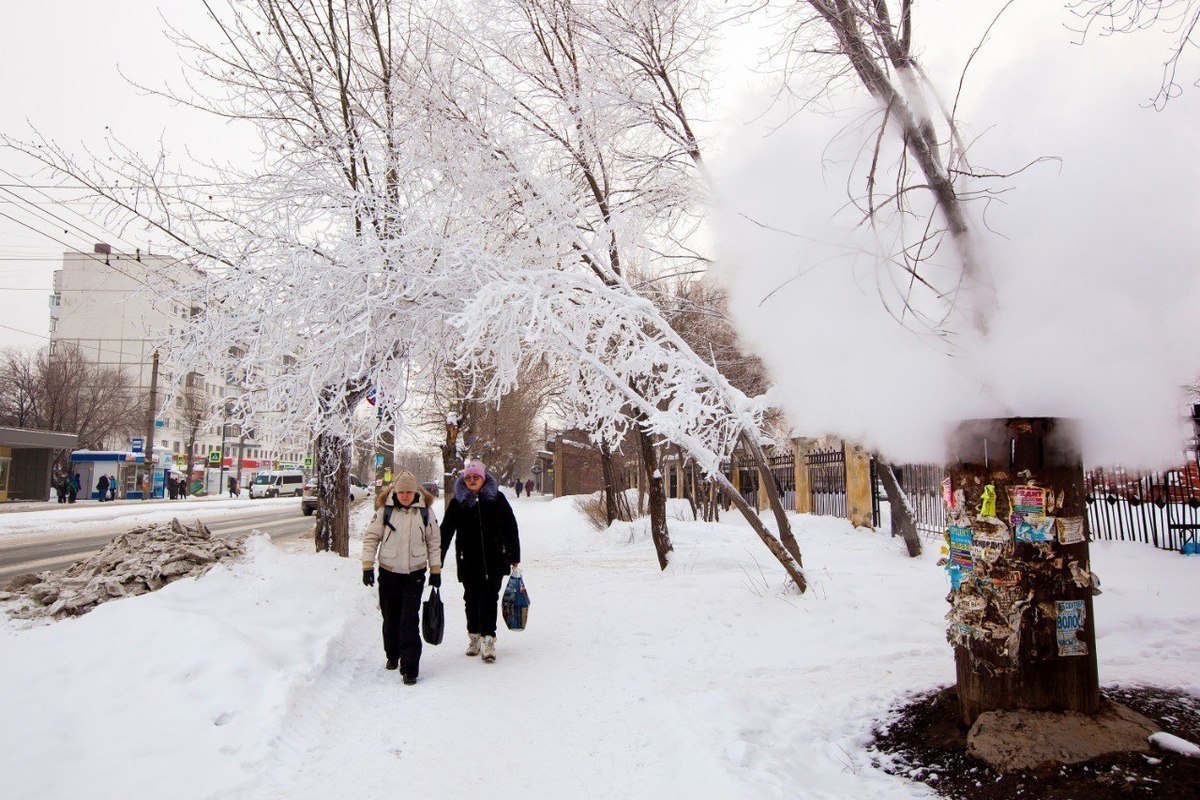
[60, 65]
[1098, 288]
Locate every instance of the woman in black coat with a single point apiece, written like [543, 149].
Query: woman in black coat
[487, 549]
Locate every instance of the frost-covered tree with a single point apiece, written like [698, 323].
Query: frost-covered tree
[328, 256]
[598, 189]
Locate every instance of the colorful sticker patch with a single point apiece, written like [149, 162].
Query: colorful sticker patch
[1027, 500]
[1035, 529]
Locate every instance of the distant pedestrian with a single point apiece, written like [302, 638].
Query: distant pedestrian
[112, 487]
[60, 488]
[518, 486]
[404, 538]
[102, 488]
[529, 488]
[74, 487]
[232, 483]
[488, 548]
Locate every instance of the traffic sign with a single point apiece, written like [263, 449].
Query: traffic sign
[214, 457]
[137, 444]
[308, 462]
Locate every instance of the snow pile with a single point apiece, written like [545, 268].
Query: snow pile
[1167, 741]
[142, 560]
[265, 678]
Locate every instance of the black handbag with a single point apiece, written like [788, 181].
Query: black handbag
[433, 618]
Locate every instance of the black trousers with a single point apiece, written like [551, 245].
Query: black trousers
[400, 602]
[482, 597]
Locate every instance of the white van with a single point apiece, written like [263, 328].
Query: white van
[281, 483]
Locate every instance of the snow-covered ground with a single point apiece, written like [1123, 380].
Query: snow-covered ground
[266, 679]
[92, 516]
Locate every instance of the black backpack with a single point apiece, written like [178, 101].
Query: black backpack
[387, 516]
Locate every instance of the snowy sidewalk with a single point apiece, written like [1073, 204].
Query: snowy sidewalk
[266, 680]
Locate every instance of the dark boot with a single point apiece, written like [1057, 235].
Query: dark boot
[392, 663]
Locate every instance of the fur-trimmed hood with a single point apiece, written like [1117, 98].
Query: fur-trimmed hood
[424, 498]
[467, 498]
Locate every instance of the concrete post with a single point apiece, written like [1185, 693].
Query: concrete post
[858, 486]
[801, 448]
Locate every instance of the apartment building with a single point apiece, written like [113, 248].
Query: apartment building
[113, 306]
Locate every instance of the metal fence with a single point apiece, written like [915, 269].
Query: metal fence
[922, 483]
[1161, 509]
[827, 481]
[783, 469]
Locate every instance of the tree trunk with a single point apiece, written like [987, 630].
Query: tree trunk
[610, 493]
[332, 465]
[765, 477]
[449, 462]
[904, 522]
[687, 480]
[187, 470]
[792, 563]
[657, 497]
[1021, 622]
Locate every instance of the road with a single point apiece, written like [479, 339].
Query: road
[56, 551]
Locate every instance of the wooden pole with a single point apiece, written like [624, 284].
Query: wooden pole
[151, 412]
[1021, 624]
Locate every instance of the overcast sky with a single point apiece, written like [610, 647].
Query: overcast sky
[60, 65]
[1095, 260]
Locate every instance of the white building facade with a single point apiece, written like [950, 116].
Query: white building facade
[113, 307]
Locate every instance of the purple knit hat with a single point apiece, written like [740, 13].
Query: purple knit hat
[474, 468]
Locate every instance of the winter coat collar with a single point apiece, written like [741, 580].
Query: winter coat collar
[467, 498]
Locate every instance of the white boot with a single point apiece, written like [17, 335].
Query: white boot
[489, 649]
[473, 647]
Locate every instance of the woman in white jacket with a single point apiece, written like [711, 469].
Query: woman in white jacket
[404, 538]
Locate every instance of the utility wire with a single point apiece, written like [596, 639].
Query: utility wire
[105, 234]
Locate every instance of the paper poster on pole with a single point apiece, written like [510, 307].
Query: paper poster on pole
[1027, 500]
[1070, 530]
[1072, 614]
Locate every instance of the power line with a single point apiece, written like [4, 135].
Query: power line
[38, 210]
[83, 188]
[27, 333]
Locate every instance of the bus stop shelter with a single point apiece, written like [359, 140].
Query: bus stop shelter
[26, 458]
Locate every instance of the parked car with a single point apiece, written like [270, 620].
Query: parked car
[432, 488]
[308, 503]
[277, 484]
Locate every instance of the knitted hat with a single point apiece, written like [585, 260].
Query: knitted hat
[474, 468]
[406, 482]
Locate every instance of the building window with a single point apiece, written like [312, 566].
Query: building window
[5, 468]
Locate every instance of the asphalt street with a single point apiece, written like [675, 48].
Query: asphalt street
[55, 551]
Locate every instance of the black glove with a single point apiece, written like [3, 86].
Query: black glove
[368, 577]
[435, 579]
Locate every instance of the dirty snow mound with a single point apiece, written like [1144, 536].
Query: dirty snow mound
[136, 562]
